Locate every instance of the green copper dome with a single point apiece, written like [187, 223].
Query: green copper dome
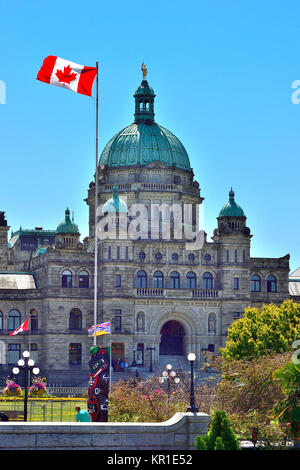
[231, 209]
[144, 141]
[67, 225]
[115, 204]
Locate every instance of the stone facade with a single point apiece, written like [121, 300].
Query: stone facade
[159, 292]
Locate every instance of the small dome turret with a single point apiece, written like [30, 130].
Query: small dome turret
[67, 225]
[231, 209]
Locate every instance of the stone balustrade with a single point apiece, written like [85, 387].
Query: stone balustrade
[183, 293]
[178, 433]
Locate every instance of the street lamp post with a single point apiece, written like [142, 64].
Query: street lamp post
[168, 375]
[151, 349]
[26, 365]
[192, 407]
[134, 364]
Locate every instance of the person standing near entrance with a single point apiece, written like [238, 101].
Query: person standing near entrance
[82, 415]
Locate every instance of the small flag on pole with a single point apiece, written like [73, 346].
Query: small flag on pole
[101, 329]
[23, 327]
[67, 74]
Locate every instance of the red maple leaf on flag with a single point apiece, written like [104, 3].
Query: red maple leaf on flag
[66, 76]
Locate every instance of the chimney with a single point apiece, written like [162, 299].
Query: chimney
[4, 228]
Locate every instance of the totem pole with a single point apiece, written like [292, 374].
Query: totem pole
[97, 403]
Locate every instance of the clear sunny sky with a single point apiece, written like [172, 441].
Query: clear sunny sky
[222, 72]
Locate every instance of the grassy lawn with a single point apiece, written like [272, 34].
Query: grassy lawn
[45, 409]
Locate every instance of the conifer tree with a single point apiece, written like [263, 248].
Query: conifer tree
[229, 439]
[219, 444]
[200, 443]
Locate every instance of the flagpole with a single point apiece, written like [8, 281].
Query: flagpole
[110, 363]
[96, 204]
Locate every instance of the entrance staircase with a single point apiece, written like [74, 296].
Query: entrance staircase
[178, 363]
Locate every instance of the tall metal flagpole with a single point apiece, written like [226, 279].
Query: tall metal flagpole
[96, 205]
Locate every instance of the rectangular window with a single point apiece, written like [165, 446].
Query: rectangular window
[244, 256]
[74, 354]
[126, 252]
[236, 283]
[14, 354]
[236, 315]
[109, 252]
[227, 256]
[235, 256]
[118, 320]
[118, 252]
[34, 352]
[118, 280]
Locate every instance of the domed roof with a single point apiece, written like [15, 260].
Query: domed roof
[67, 225]
[144, 89]
[144, 141]
[231, 209]
[115, 204]
[141, 143]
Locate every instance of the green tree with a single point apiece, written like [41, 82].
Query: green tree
[200, 443]
[288, 409]
[219, 444]
[229, 439]
[220, 435]
[215, 429]
[270, 328]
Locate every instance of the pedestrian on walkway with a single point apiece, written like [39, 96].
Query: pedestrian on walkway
[82, 415]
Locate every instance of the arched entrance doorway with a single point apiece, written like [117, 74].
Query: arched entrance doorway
[172, 334]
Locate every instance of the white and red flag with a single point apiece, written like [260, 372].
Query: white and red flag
[67, 74]
[23, 327]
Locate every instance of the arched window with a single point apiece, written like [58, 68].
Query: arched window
[33, 320]
[14, 320]
[158, 279]
[84, 279]
[255, 283]
[191, 280]
[75, 319]
[207, 281]
[66, 279]
[141, 279]
[271, 284]
[175, 280]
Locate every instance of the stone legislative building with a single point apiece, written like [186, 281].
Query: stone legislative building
[158, 292]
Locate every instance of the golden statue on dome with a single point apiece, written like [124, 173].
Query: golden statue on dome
[144, 70]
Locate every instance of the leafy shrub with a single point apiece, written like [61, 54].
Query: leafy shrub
[220, 435]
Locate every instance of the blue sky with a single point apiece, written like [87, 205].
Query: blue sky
[222, 72]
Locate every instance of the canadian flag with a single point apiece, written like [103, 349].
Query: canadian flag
[23, 327]
[63, 73]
